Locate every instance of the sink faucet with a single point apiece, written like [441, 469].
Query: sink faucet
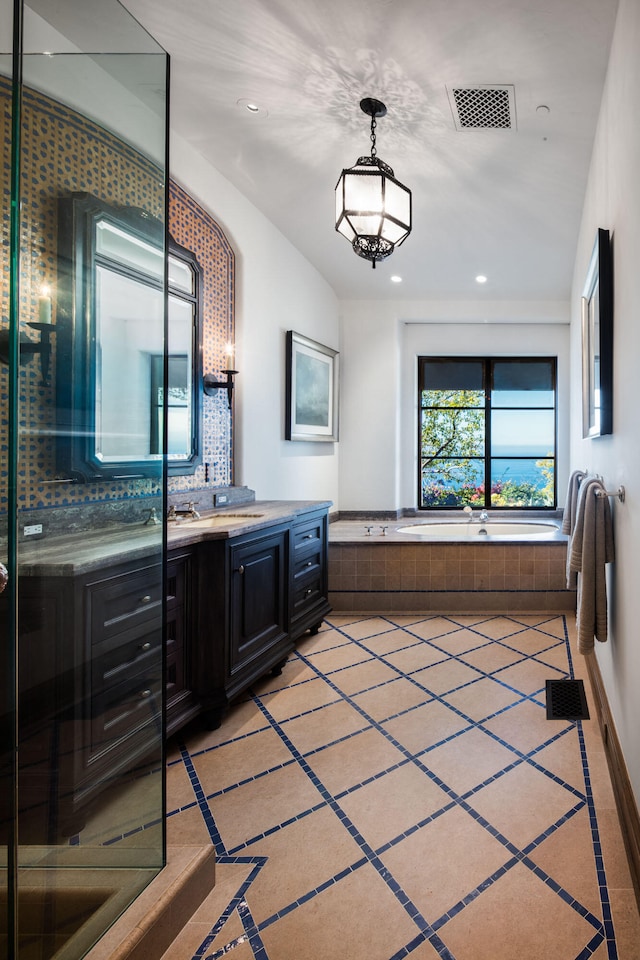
[190, 511]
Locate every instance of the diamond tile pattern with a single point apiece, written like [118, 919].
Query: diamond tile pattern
[416, 803]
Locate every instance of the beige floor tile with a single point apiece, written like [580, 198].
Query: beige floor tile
[414, 658]
[529, 676]
[256, 807]
[363, 676]
[323, 726]
[433, 627]
[186, 828]
[626, 923]
[357, 918]
[469, 851]
[302, 697]
[294, 671]
[366, 627]
[385, 643]
[384, 809]
[525, 726]
[424, 726]
[354, 760]
[491, 657]
[300, 859]
[329, 661]
[567, 857]
[325, 639]
[446, 676]
[481, 699]
[244, 759]
[390, 698]
[518, 916]
[468, 760]
[179, 787]
[531, 641]
[562, 757]
[523, 804]
[498, 628]
[241, 718]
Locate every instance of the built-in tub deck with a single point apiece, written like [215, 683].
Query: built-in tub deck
[400, 566]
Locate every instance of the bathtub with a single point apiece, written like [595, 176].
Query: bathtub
[491, 530]
[415, 566]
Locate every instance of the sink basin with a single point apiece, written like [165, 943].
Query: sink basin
[224, 520]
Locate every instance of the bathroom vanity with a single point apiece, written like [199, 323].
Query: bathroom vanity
[241, 587]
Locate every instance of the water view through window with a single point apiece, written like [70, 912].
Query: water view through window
[487, 432]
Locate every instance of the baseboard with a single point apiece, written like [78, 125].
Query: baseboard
[623, 792]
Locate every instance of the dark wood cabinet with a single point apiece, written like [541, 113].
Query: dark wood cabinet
[259, 592]
[92, 659]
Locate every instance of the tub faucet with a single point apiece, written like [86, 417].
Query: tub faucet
[484, 516]
[469, 511]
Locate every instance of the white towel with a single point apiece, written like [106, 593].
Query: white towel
[590, 549]
[571, 503]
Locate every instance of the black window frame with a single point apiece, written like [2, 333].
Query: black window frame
[487, 380]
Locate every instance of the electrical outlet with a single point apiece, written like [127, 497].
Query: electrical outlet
[219, 499]
[32, 529]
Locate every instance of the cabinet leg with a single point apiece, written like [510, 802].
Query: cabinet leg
[314, 629]
[213, 718]
[277, 670]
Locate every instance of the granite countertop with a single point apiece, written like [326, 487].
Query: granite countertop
[91, 550]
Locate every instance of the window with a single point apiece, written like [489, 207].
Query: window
[487, 432]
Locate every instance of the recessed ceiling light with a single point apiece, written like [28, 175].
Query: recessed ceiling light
[253, 107]
[481, 278]
[396, 279]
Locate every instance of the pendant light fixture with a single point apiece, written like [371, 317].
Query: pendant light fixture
[373, 209]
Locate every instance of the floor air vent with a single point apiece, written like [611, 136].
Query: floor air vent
[483, 107]
[566, 700]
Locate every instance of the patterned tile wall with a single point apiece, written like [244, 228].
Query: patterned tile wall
[64, 152]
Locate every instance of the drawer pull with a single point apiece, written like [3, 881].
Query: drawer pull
[146, 599]
[310, 563]
[241, 569]
[145, 694]
[308, 536]
[145, 646]
[308, 591]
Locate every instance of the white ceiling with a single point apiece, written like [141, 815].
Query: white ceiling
[505, 203]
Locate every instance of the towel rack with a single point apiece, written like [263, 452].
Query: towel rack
[619, 493]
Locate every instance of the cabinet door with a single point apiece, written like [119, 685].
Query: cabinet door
[258, 601]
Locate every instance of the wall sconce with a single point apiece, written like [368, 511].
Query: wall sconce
[210, 385]
[28, 348]
[373, 209]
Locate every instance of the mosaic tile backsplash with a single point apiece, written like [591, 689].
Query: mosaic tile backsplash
[64, 152]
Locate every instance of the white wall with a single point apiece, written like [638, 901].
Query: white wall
[380, 343]
[613, 202]
[276, 290]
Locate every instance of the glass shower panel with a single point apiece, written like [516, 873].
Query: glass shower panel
[90, 819]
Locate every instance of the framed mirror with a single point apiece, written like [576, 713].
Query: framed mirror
[597, 341]
[110, 363]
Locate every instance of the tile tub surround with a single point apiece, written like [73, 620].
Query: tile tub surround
[395, 572]
[399, 793]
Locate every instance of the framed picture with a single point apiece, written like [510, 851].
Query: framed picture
[597, 341]
[312, 390]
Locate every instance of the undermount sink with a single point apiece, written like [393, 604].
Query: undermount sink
[223, 520]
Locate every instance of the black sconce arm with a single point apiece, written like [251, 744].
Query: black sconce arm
[210, 385]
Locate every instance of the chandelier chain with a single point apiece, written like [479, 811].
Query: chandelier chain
[373, 135]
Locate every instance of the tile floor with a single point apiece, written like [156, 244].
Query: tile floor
[398, 792]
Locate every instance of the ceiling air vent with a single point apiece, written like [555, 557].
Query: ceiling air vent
[484, 107]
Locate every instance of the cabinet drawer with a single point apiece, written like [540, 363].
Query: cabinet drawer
[130, 652]
[309, 565]
[308, 533]
[124, 708]
[306, 594]
[124, 601]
